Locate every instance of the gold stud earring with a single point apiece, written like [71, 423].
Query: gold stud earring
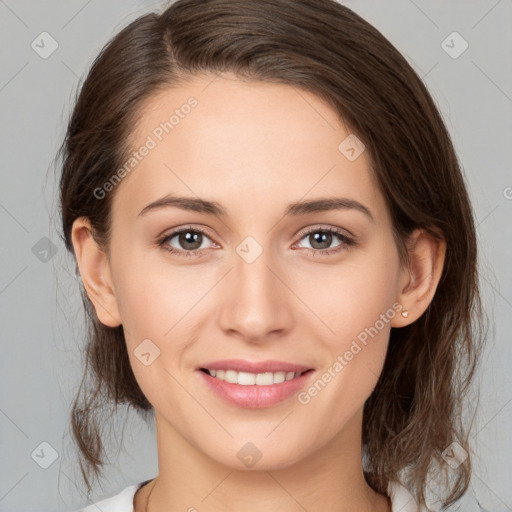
[405, 314]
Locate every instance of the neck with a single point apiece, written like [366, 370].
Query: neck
[330, 479]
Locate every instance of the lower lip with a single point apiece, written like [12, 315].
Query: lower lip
[256, 397]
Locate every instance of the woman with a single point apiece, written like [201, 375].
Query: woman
[278, 259]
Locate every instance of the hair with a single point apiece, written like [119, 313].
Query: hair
[415, 411]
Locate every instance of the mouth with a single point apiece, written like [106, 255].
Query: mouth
[253, 379]
[252, 385]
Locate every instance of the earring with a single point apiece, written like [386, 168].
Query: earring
[405, 314]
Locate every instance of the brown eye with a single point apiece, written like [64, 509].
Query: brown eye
[320, 241]
[187, 242]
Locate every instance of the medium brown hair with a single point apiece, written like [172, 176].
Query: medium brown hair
[320, 46]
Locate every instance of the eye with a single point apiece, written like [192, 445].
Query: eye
[320, 239]
[189, 241]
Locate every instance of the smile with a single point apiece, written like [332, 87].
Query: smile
[252, 379]
[254, 390]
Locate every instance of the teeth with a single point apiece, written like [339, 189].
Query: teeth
[251, 379]
[230, 376]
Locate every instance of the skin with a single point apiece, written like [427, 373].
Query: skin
[253, 147]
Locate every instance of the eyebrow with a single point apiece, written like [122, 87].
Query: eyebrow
[293, 209]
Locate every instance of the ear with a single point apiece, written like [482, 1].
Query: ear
[418, 281]
[95, 272]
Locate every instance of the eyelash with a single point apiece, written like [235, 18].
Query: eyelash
[347, 242]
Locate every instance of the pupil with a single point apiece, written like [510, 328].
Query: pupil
[190, 237]
[321, 238]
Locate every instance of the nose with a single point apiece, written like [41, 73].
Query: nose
[256, 302]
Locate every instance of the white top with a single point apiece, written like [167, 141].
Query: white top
[401, 500]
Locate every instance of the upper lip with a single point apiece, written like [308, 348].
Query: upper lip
[241, 365]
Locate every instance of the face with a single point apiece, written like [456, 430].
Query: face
[250, 277]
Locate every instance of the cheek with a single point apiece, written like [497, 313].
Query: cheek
[351, 296]
[152, 309]
[160, 303]
[356, 305]
[149, 299]
[357, 308]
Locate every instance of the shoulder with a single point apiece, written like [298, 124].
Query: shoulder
[122, 502]
[402, 500]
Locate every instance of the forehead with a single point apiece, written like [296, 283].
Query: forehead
[240, 140]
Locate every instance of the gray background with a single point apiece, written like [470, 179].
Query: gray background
[42, 319]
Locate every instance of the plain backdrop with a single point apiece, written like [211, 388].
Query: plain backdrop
[41, 311]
